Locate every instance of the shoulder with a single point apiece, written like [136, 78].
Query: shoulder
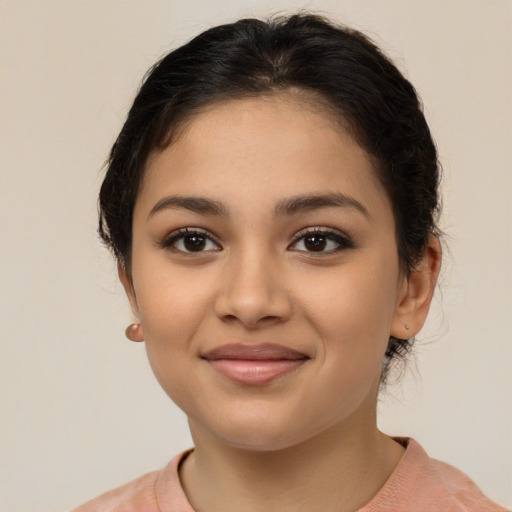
[422, 483]
[452, 485]
[134, 496]
[152, 492]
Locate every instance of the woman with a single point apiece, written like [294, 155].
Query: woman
[271, 201]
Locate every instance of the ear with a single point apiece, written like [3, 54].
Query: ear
[127, 283]
[416, 293]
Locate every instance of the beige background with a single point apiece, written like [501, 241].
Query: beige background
[80, 410]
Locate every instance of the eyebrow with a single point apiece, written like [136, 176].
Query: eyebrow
[200, 205]
[298, 204]
[285, 208]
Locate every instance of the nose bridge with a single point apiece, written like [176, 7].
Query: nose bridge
[252, 288]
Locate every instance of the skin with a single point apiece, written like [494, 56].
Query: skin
[307, 440]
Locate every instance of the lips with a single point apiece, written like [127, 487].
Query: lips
[254, 364]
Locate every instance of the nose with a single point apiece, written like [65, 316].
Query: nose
[252, 293]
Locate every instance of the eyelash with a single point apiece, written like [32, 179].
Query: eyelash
[169, 241]
[341, 240]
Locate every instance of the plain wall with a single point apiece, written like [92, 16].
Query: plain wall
[80, 410]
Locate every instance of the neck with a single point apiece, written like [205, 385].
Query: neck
[335, 471]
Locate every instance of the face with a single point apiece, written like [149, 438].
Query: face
[265, 274]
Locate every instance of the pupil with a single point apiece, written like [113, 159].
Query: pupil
[194, 242]
[315, 243]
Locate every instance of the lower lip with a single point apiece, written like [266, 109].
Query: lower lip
[255, 373]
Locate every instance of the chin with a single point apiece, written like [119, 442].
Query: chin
[259, 432]
[260, 440]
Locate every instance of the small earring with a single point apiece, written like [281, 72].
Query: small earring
[134, 332]
[407, 327]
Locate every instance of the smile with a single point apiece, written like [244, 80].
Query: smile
[254, 365]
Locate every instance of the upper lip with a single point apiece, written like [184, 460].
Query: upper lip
[261, 352]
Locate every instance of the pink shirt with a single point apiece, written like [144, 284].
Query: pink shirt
[418, 484]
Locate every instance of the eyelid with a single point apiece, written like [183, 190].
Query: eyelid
[342, 239]
[168, 241]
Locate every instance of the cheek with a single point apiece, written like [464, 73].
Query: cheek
[168, 298]
[352, 309]
[352, 321]
[172, 306]
[170, 321]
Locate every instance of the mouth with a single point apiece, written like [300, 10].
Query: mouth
[254, 365]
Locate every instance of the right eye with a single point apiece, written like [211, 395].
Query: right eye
[190, 240]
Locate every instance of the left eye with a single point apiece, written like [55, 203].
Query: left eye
[321, 242]
[189, 241]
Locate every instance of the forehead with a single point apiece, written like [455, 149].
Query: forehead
[268, 147]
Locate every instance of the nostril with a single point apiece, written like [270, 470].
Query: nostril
[270, 318]
[251, 322]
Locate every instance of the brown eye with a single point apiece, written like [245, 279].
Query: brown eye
[321, 242]
[194, 243]
[189, 240]
[315, 243]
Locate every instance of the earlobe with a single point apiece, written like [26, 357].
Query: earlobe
[416, 295]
